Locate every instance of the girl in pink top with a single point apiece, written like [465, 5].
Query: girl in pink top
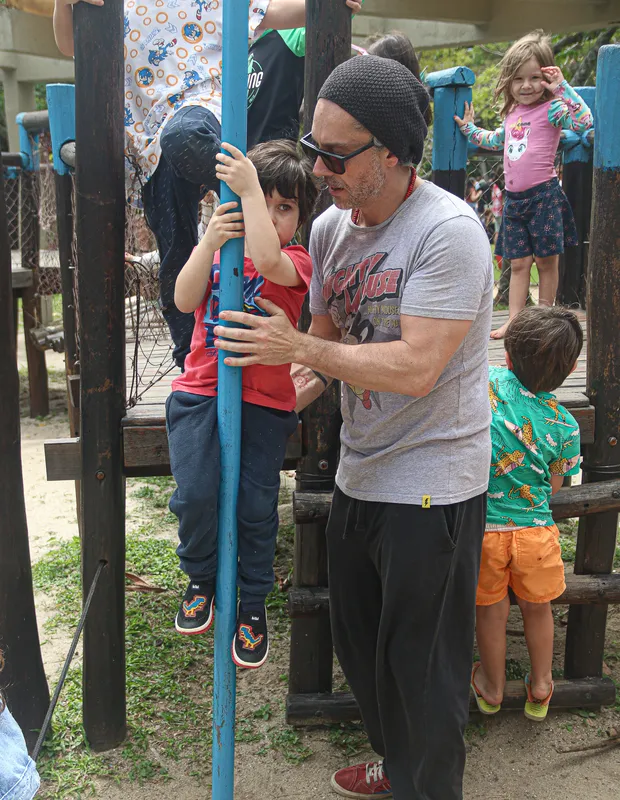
[537, 220]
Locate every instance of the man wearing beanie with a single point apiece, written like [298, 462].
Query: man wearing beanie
[401, 302]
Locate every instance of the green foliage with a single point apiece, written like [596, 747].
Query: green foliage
[349, 737]
[571, 50]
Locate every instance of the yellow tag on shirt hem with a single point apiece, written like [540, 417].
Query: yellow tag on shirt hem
[426, 501]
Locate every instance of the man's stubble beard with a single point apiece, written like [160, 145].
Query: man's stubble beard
[369, 188]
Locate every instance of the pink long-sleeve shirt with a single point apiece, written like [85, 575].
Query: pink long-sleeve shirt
[530, 136]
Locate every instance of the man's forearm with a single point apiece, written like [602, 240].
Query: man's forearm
[381, 367]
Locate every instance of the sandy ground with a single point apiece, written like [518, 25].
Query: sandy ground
[508, 757]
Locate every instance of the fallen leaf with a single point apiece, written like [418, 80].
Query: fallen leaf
[138, 584]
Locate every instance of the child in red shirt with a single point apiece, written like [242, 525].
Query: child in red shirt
[278, 193]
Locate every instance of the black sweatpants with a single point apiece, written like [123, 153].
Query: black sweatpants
[402, 582]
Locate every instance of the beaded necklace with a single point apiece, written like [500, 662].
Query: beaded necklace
[355, 214]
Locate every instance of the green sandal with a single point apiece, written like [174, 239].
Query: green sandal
[535, 709]
[483, 706]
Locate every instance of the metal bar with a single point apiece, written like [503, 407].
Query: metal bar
[234, 131]
[35, 121]
[13, 160]
[67, 664]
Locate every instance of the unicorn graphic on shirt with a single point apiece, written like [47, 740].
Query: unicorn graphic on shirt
[161, 52]
[518, 136]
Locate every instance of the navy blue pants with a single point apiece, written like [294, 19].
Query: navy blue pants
[193, 439]
[171, 198]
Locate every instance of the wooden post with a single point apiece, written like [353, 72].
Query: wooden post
[585, 636]
[23, 676]
[31, 304]
[577, 184]
[451, 88]
[328, 43]
[100, 225]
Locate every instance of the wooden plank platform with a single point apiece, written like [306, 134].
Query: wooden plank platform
[150, 408]
[145, 443]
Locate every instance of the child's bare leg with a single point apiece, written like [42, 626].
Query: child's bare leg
[491, 637]
[548, 272]
[518, 291]
[538, 626]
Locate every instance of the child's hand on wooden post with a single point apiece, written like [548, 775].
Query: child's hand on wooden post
[468, 115]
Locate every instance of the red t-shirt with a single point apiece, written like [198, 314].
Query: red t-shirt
[262, 385]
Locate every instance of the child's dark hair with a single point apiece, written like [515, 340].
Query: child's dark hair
[397, 46]
[281, 165]
[543, 343]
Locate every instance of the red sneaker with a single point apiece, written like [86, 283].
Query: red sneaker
[362, 780]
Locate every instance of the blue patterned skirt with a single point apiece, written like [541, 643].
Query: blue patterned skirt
[538, 222]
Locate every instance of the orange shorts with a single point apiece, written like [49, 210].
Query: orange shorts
[529, 560]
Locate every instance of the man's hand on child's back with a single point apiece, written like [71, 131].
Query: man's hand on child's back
[225, 224]
[238, 172]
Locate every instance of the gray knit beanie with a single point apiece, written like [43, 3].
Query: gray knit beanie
[386, 98]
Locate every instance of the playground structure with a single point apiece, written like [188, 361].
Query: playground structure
[110, 441]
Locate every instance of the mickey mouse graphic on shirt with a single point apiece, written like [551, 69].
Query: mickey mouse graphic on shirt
[518, 136]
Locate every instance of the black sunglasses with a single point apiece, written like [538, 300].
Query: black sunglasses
[334, 162]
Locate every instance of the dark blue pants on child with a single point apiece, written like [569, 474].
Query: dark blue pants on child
[195, 460]
[171, 198]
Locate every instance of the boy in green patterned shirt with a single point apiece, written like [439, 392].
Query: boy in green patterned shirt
[535, 446]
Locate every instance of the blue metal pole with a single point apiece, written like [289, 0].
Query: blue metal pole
[234, 131]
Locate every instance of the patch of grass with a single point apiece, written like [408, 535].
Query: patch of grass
[157, 491]
[568, 545]
[169, 679]
[349, 737]
[288, 742]
[264, 712]
[474, 731]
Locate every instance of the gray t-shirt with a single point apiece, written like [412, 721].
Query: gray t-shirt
[431, 258]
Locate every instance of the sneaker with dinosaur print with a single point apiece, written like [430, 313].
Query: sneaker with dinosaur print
[195, 614]
[250, 646]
